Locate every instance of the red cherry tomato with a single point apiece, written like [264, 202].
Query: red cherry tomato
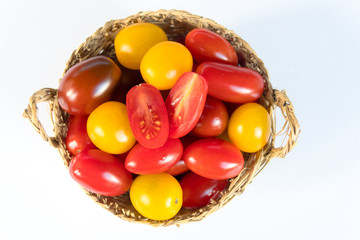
[88, 84]
[141, 160]
[185, 103]
[180, 166]
[77, 138]
[214, 158]
[147, 115]
[231, 83]
[199, 191]
[206, 45]
[100, 172]
[213, 120]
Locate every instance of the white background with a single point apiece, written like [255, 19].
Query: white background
[310, 48]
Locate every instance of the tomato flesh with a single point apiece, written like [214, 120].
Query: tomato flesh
[185, 103]
[214, 158]
[77, 138]
[88, 84]
[142, 160]
[231, 83]
[199, 191]
[147, 115]
[206, 45]
[100, 173]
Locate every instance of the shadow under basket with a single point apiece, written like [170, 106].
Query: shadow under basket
[176, 24]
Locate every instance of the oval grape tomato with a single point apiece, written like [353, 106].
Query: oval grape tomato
[206, 45]
[109, 129]
[142, 160]
[231, 83]
[164, 63]
[88, 84]
[156, 196]
[100, 173]
[132, 42]
[249, 127]
[214, 158]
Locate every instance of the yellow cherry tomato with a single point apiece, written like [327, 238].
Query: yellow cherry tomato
[132, 42]
[164, 63]
[109, 129]
[249, 127]
[156, 196]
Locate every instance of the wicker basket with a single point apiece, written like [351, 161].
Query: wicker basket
[176, 24]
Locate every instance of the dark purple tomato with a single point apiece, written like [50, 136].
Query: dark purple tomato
[232, 83]
[214, 158]
[77, 138]
[141, 160]
[206, 45]
[88, 84]
[213, 120]
[100, 173]
[199, 191]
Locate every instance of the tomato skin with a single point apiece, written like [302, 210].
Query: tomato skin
[185, 103]
[199, 191]
[249, 127]
[77, 138]
[156, 196]
[213, 120]
[142, 160]
[231, 83]
[130, 52]
[214, 158]
[100, 173]
[206, 45]
[88, 84]
[164, 63]
[147, 115]
[109, 129]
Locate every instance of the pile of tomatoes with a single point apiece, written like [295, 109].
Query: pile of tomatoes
[166, 120]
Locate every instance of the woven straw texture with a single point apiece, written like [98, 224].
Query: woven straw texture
[176, 24]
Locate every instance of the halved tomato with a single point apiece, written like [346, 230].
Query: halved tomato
[185, 103]
[147, 115]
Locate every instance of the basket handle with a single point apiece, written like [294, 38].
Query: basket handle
[291, 127]
[42, 95]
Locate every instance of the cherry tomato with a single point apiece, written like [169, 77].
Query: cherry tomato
[100, 173]
[147, 115]
[199, 191]
[180, 166]
[88, 84]
[214, 158]
[109, 128]
[164, 63]
[156, 196]
[132, 42]
[231, 83]
[141, 160]
[213, 120]
[249, 127]
[77, 138]
[185, 103]
[206, 45]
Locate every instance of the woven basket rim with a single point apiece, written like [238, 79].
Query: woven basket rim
[174, 22]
